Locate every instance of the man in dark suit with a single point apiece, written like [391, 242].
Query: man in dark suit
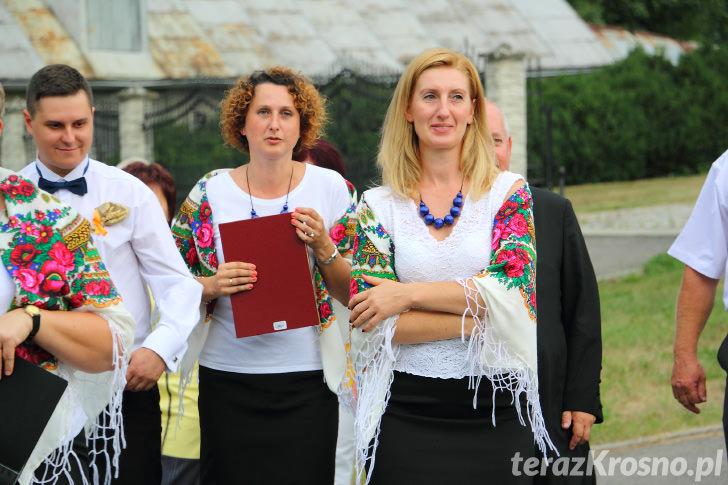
[569, 325]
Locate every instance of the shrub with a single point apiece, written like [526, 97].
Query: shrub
[639, 118]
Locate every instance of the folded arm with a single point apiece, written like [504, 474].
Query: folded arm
[378, 294]
[80, 339]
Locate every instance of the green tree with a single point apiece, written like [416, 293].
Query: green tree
[356, 108]
[639, 118]
[703, 75]
[189, 153]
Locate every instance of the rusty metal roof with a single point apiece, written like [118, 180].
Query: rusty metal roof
[223, 39]
[620, 42]
[32, 37]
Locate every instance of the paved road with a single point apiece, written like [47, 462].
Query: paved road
[615, 255]
[620, 241]
[679, 460]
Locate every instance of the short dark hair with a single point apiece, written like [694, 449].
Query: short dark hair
[55, 80]
[323, 154]
[154, 174]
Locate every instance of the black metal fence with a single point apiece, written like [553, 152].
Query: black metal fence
[183, 125]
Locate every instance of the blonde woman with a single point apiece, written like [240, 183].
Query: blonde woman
[443, 344]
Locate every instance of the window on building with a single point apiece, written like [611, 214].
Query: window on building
[115, 25]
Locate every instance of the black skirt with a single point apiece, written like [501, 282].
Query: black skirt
[266, 428]
[430, 434]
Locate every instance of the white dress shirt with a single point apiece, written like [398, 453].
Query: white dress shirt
[138, 251]
[703, 242]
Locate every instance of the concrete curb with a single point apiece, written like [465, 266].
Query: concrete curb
[661, 438]
[629, 233]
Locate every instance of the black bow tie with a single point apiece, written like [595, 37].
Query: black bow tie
[77, 186]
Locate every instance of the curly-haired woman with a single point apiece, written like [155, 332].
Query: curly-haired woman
[266, 413]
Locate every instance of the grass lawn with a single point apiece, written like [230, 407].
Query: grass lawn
[638, 193]
[638, 318]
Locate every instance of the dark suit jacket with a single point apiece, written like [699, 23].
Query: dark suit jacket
[569, 324]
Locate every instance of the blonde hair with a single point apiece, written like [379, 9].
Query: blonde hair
[399, 154]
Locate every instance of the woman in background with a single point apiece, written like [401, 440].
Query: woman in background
[180, 432]
[324, 154]
[157, 178]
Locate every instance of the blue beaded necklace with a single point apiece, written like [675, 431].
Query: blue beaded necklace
[253, 215]
[457, 204]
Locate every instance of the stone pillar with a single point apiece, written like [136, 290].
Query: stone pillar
[12, 150]
[505, 84]
[132, 138]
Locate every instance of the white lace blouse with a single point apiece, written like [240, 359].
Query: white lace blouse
[420, 257]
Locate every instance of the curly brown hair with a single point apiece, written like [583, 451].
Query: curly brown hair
[307, 100]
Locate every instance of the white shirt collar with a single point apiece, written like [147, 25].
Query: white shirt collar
[49, 174]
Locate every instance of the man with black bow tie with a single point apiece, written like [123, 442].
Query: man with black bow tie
[132, 236]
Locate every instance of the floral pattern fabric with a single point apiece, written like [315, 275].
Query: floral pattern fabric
[45, 249]
[193, 234]
[513, 257]
[509, 278]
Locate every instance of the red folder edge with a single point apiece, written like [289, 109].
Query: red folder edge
[283, 298]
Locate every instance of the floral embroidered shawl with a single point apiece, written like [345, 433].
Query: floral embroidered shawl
[502, 347]
[46, 249]
[193, 234]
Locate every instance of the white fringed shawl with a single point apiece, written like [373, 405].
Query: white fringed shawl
[503, 345]
[88, 287]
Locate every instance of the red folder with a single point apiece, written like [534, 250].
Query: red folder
[283, 298]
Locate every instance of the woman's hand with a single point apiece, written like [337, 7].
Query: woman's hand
[335, 271]
[15, 326]
[384, 299]
[310, 229]
[231, 277]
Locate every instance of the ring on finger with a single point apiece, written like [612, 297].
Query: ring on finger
[312, 234]
[231, 282]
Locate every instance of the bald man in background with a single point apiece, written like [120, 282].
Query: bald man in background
[569, 325]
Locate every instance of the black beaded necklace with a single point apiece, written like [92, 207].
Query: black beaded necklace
[253, 214]
[455, 210]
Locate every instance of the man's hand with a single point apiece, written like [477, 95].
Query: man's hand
[145, 367]
[694, 304]
[580, 423]
[688, 381]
